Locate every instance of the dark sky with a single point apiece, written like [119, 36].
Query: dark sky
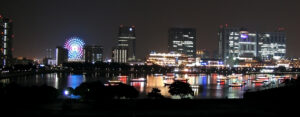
[41, 24]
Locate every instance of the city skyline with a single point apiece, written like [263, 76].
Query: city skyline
[44, 24]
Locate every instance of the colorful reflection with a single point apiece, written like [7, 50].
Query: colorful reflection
[75, 80]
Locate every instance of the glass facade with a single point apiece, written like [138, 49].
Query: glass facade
[239, 44]
[272, 45]
[182, 40]
[6, 36]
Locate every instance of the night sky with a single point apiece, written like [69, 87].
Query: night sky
[42, 24]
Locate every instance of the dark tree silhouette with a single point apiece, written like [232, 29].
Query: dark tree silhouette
[97, 91]
[91, 90]
[123, 90]
[155, 94]
[180, 88]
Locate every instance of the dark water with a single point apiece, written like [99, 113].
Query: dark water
[205, 86]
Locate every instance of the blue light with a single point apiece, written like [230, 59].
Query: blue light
[203, 63]
[130, 29]
[66, 92]
[244, 36]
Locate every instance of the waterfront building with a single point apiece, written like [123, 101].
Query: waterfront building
[93, 53]
[127, 42]
[182, 40]
[120, 54]
[6, 36]
[238, 44]
[167, 59]
[273, 45]
[61, 55]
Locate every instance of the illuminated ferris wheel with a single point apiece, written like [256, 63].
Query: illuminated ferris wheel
[74, 45]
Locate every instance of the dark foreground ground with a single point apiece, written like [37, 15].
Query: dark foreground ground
[167, 107]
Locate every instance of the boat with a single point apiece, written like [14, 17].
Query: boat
[113, 82]
[181, 79]
[138, 80]
[222, 77]
[168, 77]
[262, 77]
[232, 76]
[235, 85]
[158, 74]
[170, 74]
[167, 84]
[257, 81]
[220, 80]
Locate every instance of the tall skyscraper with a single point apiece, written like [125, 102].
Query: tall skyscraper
[93, 53]
[182, 40]
[272, 45]
[126, 45]
[6, 37]
[228, 39]
[61, 55]
[237, 44]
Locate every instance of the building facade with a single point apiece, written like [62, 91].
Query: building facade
[6, 36]
[182, 40]
[167, 59]
[236, 44]
[127, 42]
[120, 54]
[93, 53]
[61, 55]
[272, 45]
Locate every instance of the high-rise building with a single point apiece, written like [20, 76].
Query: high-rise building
[182, 40]
[228, 41]
[93, 53]
[239, 44]
[120, 55]
[6, 37]
[126, 41]
[61, 55]
[272, 45]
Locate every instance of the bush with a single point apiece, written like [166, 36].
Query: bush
[181, 89]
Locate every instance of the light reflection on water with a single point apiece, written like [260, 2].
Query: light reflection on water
[205, 86]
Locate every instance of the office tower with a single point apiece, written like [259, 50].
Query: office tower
[61, 55]
[247, 45]
[6, 37]
[120, 55]
[237, 44]
[182, 40]
[228, 39]
[273, 45]
[93, 53]
[126, 41]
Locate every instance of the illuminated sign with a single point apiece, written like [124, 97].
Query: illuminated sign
[244, 36]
